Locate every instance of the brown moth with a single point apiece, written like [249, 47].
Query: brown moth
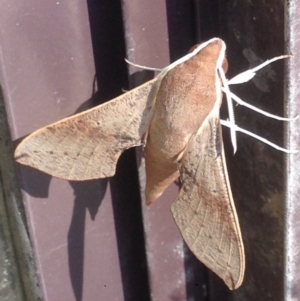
[176, 118]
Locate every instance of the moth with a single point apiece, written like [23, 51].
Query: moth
[175, 117]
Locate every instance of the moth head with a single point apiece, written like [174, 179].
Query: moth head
[225, 61]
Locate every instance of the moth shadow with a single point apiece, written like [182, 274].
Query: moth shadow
[88, 198]
[34, 182]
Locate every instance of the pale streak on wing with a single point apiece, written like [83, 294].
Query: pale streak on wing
[88, 145]
[206, 195]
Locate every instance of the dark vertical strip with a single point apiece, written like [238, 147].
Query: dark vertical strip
[129, 227]
[181, 27]
[207, 15]
[108, 46]
[109, 51]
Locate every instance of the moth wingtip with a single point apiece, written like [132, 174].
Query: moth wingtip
[149, 201]
[234, 284]
[151, 197]
[19, 156]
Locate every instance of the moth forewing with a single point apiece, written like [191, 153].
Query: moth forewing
[87, 145]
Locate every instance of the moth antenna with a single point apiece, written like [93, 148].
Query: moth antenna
[243, 103]
[143, 67]
[249, 74]
[264, 140]
[230, 109]
[242, 78]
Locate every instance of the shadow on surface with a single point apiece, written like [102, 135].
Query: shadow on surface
[88, 198]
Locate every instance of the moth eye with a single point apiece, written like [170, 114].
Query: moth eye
[51, 153]
[66, 153]
[225, 65]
